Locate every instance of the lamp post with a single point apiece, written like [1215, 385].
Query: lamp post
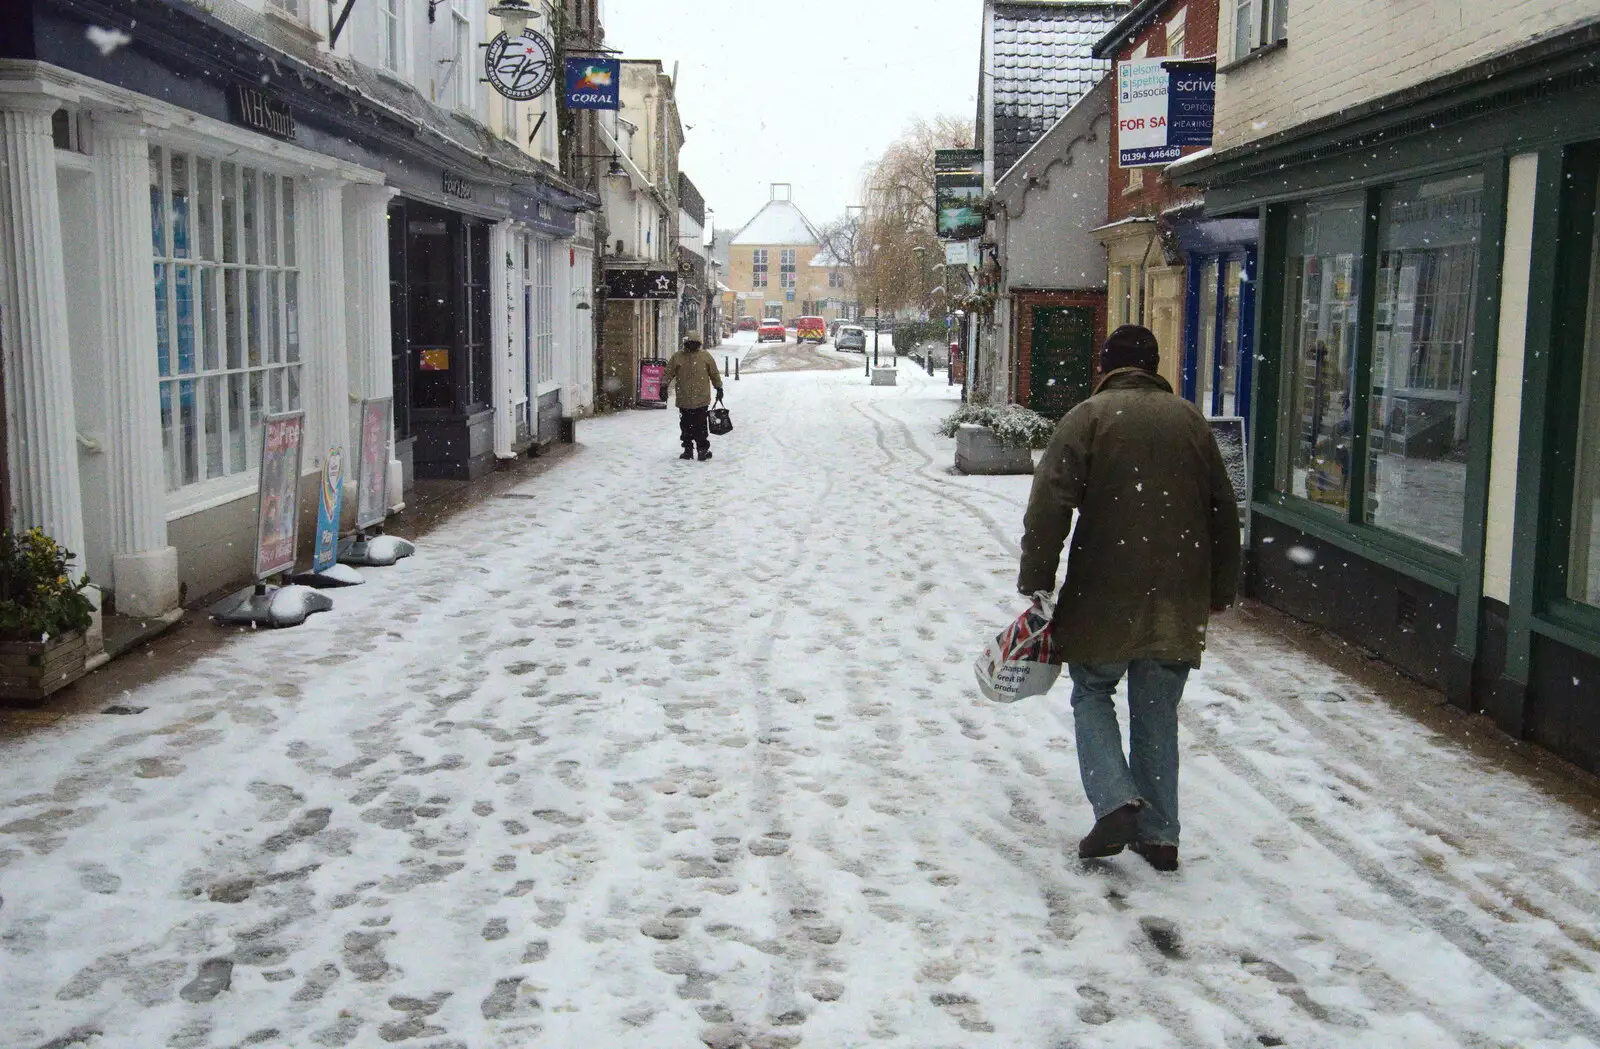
[877, 308]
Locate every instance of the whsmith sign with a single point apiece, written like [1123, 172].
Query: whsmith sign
[1163, 104]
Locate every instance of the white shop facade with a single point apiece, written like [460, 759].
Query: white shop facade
[170, 275]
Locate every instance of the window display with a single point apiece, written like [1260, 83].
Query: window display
[1421, 358]
[1583, 573]
[1323, 291]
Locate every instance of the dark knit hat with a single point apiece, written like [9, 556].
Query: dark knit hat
[1131, 346]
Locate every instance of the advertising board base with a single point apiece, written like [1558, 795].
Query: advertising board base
[331, 578]
[378, 551]
[271, 606]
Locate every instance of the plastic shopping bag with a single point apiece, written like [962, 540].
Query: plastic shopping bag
[1022, 661]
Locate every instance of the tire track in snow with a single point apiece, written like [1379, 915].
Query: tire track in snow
[1011, 547]
[1440, 805]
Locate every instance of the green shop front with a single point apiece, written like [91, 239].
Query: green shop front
[1425, 412]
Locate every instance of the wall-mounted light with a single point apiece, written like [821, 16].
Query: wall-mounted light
[514, 15]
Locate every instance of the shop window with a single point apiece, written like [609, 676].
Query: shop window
[544, 310]
[227, 291]
[1583, 574]
[1419, 403]
[1206, 362]
[1316, 437]
[758, 270]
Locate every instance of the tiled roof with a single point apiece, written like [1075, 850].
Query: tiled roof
[1042, 65]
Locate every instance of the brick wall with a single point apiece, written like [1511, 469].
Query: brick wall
[1154, 194]
[1344, 52]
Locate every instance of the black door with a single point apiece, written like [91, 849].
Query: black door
[1061, 366]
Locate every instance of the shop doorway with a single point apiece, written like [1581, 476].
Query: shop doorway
[1218, 358]
[439, 296]
[1061, 358]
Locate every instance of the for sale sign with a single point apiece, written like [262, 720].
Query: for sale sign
[1163, 105]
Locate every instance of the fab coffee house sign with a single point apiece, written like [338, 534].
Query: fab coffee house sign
[1163, 105]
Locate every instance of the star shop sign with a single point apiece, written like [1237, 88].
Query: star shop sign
[520, 68]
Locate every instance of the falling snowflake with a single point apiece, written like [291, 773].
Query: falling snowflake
[1301, 555]
[107, 40]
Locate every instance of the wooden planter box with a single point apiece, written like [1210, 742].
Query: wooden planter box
[32, 670]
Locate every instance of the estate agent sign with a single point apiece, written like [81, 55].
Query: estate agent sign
[1163, 105]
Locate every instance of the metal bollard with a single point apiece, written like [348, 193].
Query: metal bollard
[736, 361]
[724, 364]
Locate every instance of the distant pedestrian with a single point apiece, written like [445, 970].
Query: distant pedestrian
[1156, 549]
[695, 372]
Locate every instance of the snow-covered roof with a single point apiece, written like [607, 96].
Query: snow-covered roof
[780, 222]
[826, 259]
[1043, 63]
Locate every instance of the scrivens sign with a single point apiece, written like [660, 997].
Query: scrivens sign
[1163, 104]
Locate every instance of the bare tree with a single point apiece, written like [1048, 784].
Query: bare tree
[842, 239]
[902, 214]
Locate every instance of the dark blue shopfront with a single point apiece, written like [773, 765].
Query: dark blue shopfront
[1219, 314]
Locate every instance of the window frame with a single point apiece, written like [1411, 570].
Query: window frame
[391, 32]
[1569, 187]
[758, 268]
[1432, 565]
[213, 275]
[462, 96]
[788, 269]
[1264, 24]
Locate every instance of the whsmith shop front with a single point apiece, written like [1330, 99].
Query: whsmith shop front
[1427, 402]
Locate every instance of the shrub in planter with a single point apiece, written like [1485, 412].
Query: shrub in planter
[1013, 425]
[43, 616]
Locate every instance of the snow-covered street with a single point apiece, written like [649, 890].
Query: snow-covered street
[651, 753]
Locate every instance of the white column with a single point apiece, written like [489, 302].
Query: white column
[144, 566]
[1515, 271]
[367, 316]
[322, 293]
[500, 331]
[41, 434]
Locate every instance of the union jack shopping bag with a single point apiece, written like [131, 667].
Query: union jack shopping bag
[1022, 661]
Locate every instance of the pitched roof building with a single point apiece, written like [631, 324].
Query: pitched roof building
[1037, 63]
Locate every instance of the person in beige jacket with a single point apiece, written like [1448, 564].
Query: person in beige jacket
[695, 372]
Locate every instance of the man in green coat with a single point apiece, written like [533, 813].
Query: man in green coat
[1155, 551]
[695, 372]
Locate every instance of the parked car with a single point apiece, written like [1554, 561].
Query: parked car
[813, 328]
[747, 324]
[772, 328]
[851, 337]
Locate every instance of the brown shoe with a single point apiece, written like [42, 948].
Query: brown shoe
[1111, 833]
[1161, 857]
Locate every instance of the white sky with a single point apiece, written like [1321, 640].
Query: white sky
[801, 91]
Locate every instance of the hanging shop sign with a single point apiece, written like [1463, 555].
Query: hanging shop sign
[653, 382]
[958, 192]
[642, 284]
[961, 253]
[325, 552]
[372, 480]
[1162, 106]
[594, 83]
[278, 506]
[520, 68]
[260, 111]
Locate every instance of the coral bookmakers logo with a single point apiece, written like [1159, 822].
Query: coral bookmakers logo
[520, 68]
[593, 83]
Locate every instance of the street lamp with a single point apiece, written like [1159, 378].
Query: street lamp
[514, 16]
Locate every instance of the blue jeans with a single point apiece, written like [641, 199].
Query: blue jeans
[1149, 773]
